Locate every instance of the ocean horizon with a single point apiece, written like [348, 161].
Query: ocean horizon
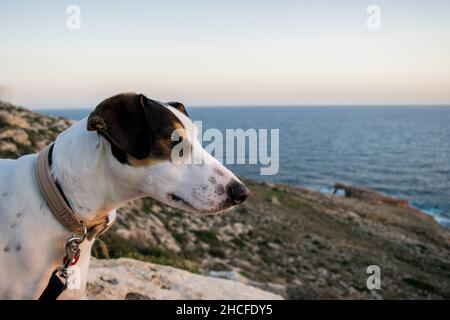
[401, 151]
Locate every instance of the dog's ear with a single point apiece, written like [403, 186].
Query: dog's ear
[179, 106]
[122, 120]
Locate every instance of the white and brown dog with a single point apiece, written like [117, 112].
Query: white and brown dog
[124, 150]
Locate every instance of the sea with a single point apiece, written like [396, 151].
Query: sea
[401, 151]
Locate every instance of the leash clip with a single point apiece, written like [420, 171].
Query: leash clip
[72, 254]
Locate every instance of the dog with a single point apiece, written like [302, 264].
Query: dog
[129, 147]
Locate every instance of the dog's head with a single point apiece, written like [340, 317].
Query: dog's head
[153, 149]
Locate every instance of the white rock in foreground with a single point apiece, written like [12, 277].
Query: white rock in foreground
[127, 278]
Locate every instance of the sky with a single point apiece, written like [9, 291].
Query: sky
[223, 53]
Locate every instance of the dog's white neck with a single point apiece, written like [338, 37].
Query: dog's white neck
[80, 166]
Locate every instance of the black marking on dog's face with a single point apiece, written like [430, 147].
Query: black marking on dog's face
[139, 129]
[6, 249]
[18, 247]
[19, 214]
[212, 180]
[218, 172]
[219, 190]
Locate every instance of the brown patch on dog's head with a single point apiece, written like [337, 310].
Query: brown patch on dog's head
[139, 129]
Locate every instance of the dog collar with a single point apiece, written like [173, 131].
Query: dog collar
[58, 203]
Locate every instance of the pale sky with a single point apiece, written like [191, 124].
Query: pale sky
[208, 53]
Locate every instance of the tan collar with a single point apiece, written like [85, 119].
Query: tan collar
[59, 205]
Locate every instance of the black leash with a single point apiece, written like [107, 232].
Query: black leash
[55, 287]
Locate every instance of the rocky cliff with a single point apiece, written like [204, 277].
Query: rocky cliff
[290, 241]
[118, 279]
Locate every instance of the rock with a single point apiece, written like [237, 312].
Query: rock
[136, 296]
[94, 289]
[147, 230]
[110, 280]
[323, 272]
[141, 280]
[156, 208]
[230, 275]
[8, 147]
[274, 200]
[16, 135]
[14, 120]
[369, 196]
[27, 131]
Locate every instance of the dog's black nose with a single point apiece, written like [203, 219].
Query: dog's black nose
[237, 192]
